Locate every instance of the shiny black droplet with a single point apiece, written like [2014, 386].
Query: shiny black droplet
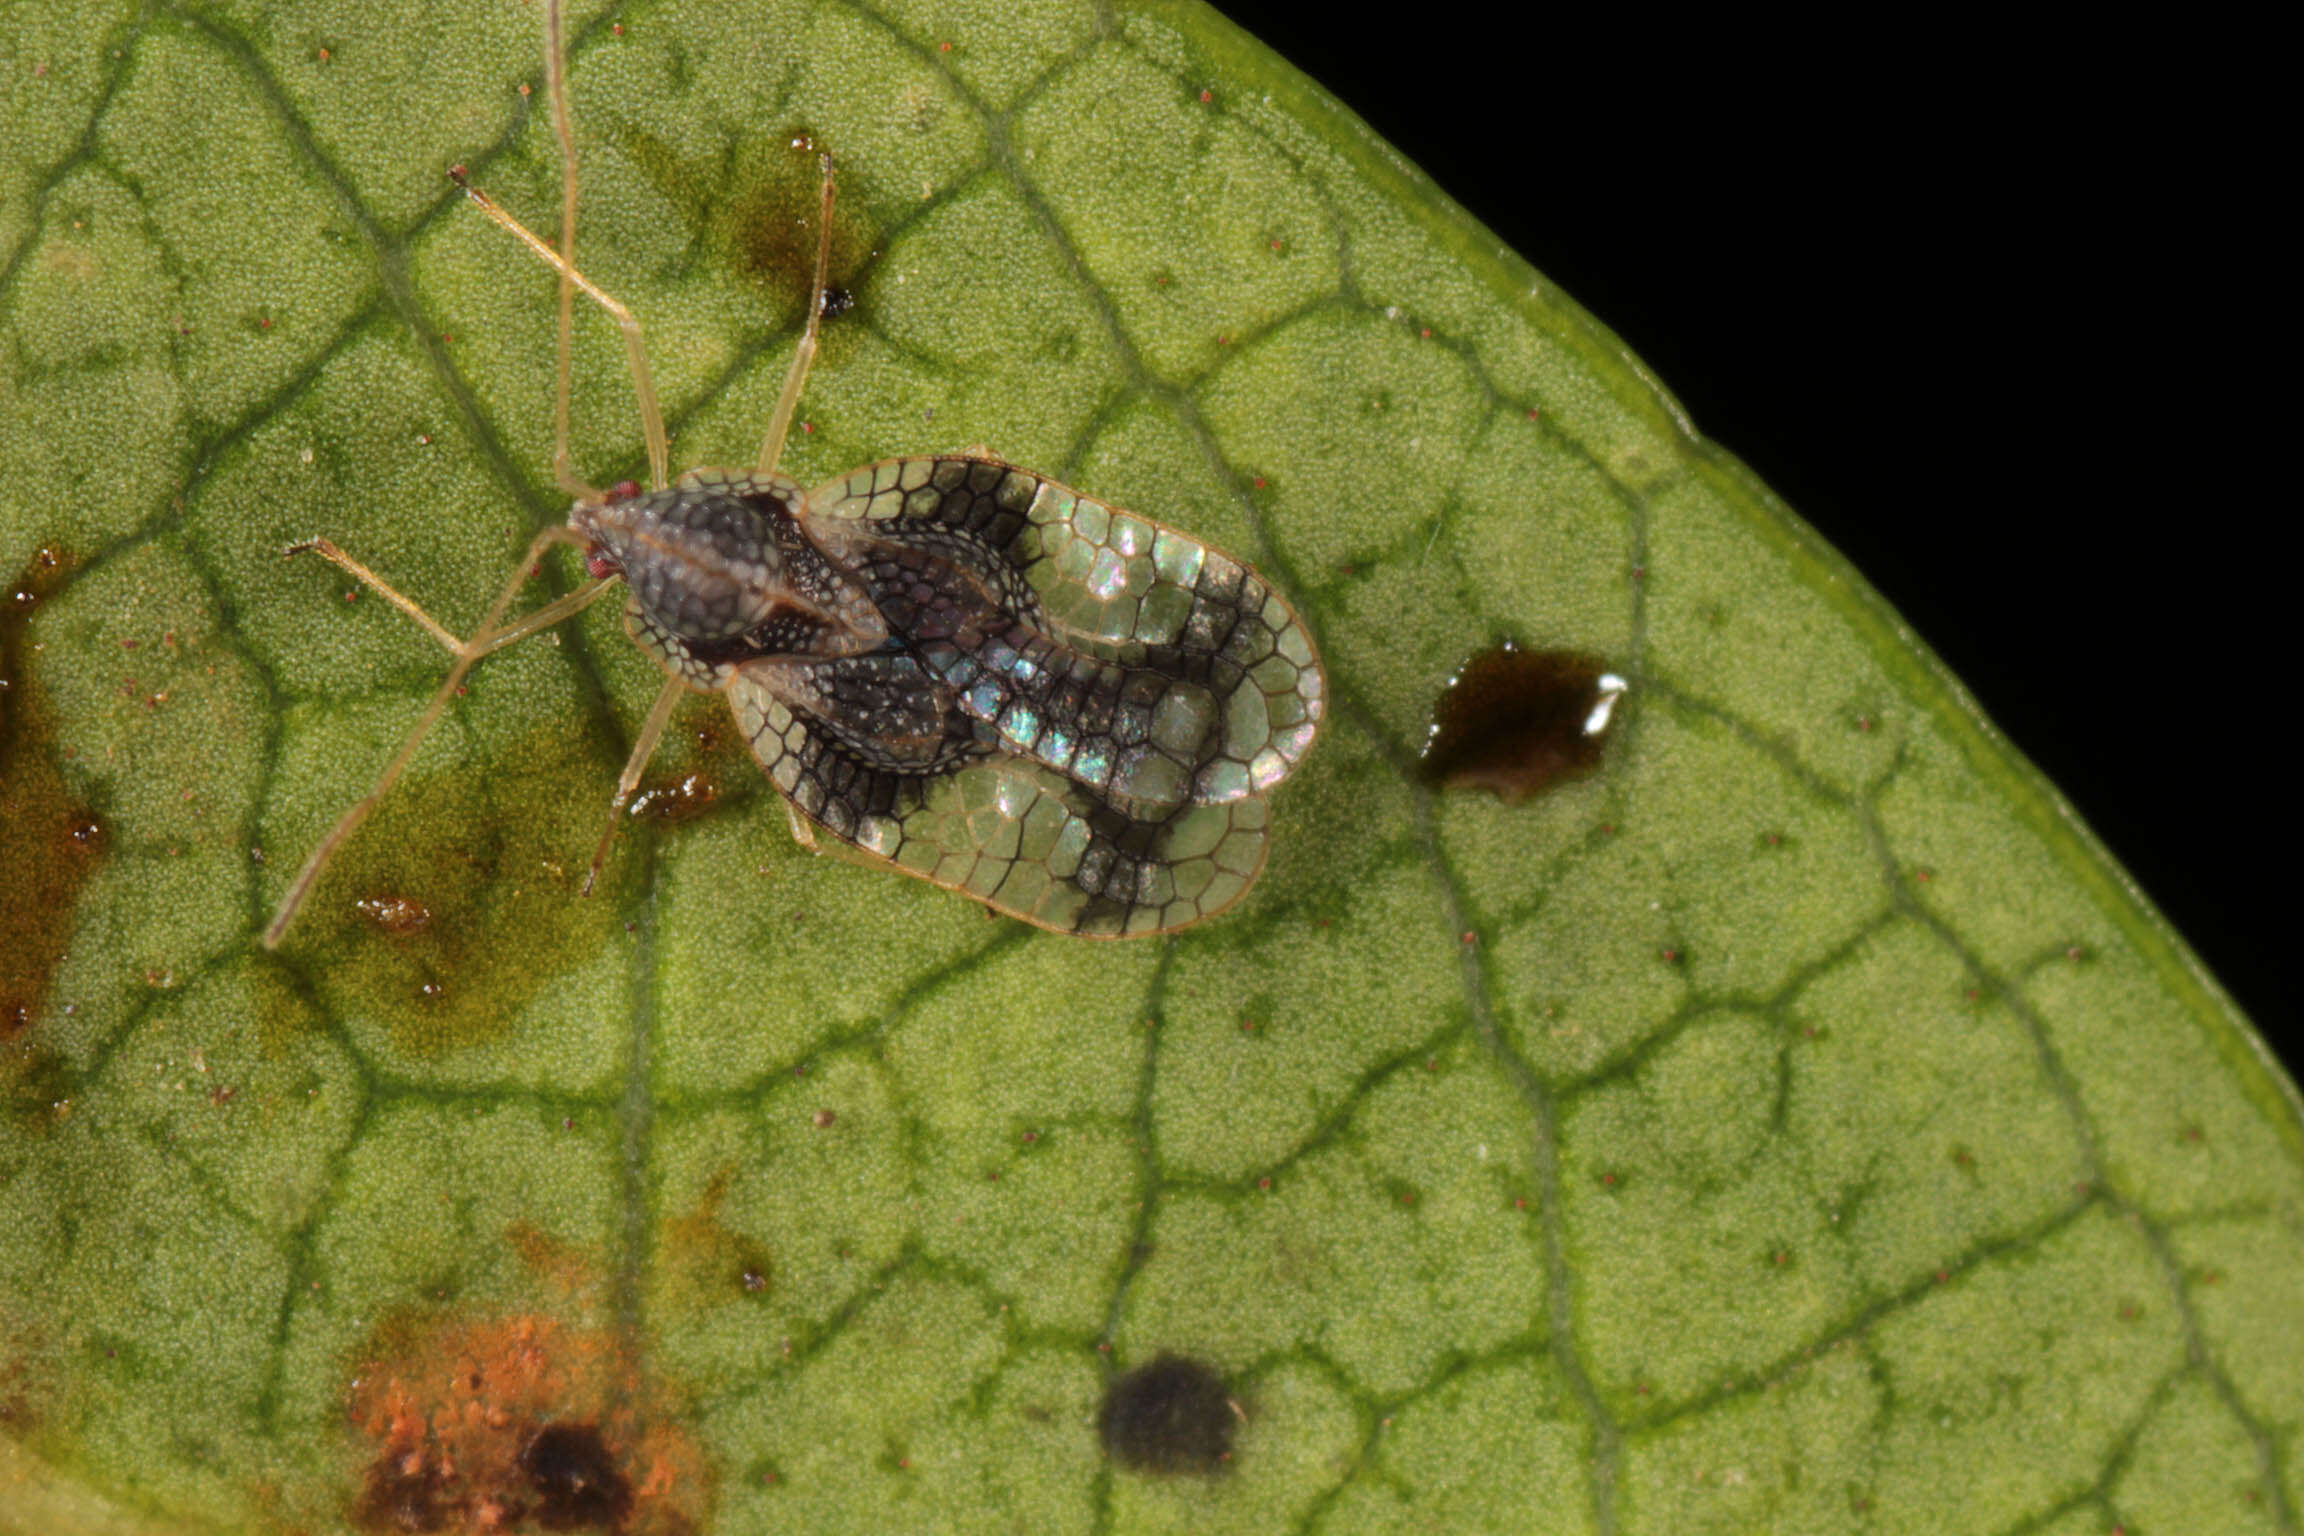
[1518, 722]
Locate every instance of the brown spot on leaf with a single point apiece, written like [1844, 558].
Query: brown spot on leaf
[1518, 722]
[35, 1088]
[518, 1424]
[707, 1260]
[459, 900]
[27, 1377]
[682, 799]
[564, 1264]
[399, 916]
[50, 843]
[756, 209]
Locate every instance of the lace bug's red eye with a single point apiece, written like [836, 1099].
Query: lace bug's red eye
[624, 490]
[597, 562]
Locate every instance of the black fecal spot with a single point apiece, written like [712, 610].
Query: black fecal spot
[835, 302]
[1170, 1416]
[1519, 722]
[577, 1484]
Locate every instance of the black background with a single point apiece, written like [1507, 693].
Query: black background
[1982, 309]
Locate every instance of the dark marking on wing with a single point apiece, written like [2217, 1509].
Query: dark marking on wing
[988, 680]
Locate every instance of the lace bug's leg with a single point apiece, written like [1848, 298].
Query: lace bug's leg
[643, 384]
[547, 616]
[543, 618]
[659, 715]
[563, 261]
[788, 399]
[564, 129]
[484, 639]
[327, 550]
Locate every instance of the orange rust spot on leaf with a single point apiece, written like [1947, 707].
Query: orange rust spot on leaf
[50, 843]
[518, 1424]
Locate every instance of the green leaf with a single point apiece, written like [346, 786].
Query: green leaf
[1799, 1125]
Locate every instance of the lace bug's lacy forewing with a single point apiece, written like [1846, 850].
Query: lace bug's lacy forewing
[1114, 586]
[1015, 834]
[1080, 711]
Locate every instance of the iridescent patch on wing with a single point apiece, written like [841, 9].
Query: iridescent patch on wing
[1126, 590]
[1014, 833]
[1119, 699]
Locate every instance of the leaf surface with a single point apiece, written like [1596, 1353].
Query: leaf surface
[1798, 1125]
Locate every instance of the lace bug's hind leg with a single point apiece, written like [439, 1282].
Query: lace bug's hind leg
[788, 398]
[484, 639]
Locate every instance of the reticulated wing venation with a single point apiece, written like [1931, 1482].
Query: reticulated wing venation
[1009, 831]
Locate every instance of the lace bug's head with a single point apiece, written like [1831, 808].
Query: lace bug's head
[701, 560]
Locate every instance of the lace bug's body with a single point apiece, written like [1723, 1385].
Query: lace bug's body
[923, 677]
[954, 666]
